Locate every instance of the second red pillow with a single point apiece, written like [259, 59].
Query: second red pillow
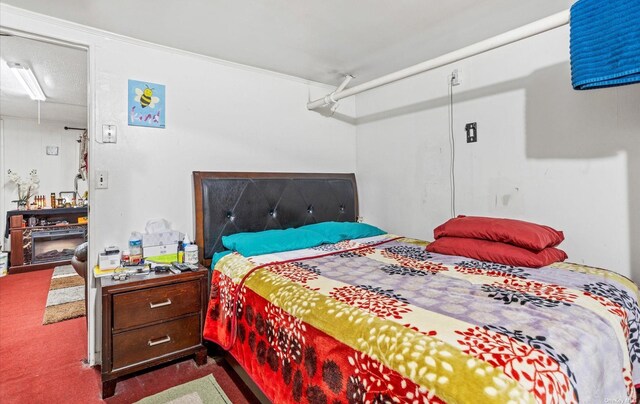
[492, 251]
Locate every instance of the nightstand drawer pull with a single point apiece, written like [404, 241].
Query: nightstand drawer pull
[159, 341]
[156, 305]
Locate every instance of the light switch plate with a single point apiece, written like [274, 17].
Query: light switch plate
[109, 134]
[472, 132]
[102, 179]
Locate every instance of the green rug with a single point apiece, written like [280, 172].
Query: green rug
[200, 391]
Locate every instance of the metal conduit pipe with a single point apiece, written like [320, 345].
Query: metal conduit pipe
[526, 31]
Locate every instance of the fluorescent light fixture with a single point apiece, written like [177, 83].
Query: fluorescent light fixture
[25, 76]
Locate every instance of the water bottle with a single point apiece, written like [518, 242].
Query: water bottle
[135, 247]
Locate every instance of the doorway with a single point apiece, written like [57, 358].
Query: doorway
[44, 161]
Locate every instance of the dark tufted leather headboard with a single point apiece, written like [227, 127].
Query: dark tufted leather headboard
[228, 203]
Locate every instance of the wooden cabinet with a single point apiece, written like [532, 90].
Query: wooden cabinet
[149, 320]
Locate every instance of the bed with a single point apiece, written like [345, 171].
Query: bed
[380, 319]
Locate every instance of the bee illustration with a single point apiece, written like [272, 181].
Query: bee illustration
[145, 97]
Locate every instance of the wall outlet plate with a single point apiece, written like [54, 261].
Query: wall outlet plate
[109, 133]
[52, 150]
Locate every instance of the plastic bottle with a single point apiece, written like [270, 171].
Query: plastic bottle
[135, 247]
[190, 251]
[180, 252]
[185, 242]
[125, 259]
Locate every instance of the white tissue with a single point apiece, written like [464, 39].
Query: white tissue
[157, 226]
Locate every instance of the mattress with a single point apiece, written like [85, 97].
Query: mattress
[382, 320]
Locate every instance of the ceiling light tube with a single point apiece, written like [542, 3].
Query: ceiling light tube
[26, 77]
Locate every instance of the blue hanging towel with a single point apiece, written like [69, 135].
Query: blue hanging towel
[605, 43]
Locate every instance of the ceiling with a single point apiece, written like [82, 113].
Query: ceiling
[61, 72]
[315, 40]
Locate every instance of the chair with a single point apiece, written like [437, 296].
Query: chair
[79, 264]
[79, 260]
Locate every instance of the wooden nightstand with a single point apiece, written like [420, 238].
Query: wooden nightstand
[149, 320]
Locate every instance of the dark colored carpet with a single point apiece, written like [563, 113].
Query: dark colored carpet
[44, 364]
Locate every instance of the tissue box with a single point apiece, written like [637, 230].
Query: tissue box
[162, 238]
[156, 250]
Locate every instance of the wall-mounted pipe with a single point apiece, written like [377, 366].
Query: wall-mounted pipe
[526, 31]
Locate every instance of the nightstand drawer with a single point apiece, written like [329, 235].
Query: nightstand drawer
[154, 304]
[146, 343]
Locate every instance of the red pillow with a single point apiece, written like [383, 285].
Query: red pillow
[517, 232]
[492, 251]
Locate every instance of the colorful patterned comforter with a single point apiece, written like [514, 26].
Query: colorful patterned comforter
[382, 320]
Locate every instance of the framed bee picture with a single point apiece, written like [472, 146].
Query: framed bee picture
[146, 104]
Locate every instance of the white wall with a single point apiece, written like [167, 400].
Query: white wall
[220, 116]
[24, 149]
[546, 153]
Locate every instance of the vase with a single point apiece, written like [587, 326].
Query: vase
[22, 205]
